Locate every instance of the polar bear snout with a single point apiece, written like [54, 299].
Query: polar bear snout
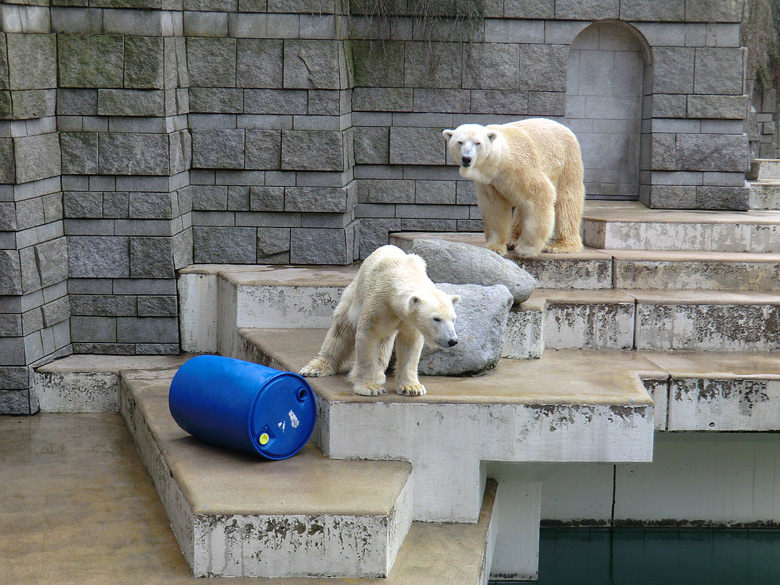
[465, 161]
[445, 335]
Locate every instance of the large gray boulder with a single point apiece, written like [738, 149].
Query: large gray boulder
[481, 328]
[458, 263]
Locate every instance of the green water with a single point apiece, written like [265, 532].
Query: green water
[577, 556]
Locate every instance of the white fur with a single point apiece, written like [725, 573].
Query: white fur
[391, 300]
[533, 166]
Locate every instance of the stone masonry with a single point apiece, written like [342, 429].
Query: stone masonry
[141, 136]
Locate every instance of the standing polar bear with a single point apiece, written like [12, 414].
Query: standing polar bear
[534, 166]
[391, 300]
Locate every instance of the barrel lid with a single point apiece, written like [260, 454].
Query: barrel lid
[283, 416]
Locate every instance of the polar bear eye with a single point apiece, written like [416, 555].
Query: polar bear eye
[437, 319]
[476, 144]
[460, 142]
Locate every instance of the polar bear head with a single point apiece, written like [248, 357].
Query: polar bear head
[433, 315]
[470, 144]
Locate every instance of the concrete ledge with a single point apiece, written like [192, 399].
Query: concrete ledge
[561, 408]
[238, 515]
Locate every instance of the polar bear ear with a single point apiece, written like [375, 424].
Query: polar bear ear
[492, 135]
[414, 301]
[448, 134]
[455, 299]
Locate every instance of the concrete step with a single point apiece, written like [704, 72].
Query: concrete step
[237, 515]
[291, 297]
[101, 521]
[561, 408]
[660, 320]
[764, 194]
[635, 227]
[644, 269]
[765, 169]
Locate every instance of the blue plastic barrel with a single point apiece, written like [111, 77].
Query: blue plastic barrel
[242, 405]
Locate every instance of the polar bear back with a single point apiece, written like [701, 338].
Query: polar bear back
[545, 144]
[387, 278]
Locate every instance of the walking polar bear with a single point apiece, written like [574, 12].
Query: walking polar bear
[534, 166]
[391, 300]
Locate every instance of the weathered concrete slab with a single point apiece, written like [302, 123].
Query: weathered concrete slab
[586, 269]
[237, 515]
[707, 321]
[764, 194]
[563, 407]
[722, 391]
[587, 319]
[640, 228]
[88, 535]
[90, 383]
[725, 271]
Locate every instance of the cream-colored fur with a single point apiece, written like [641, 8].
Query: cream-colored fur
[391, 300]
[533, 166]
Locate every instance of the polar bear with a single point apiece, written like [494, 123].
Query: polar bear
[534, 166]
[391, 300]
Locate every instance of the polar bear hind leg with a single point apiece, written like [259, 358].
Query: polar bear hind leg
[536, 217]
[568, 212]
[336, 349]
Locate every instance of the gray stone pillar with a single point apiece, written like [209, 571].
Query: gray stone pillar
[122, 110]
[272, 137]
[34, 306]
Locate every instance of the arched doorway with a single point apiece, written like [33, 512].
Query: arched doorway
[604, 90]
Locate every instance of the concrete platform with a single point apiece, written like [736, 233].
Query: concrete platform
[562, 408]
[79, 508]
[635, 269]
[236, 514]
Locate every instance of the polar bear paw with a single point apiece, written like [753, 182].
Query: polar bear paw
[524, 250]
[316, 368]
[412, 389]
[499, 249]
[564, 247]
[370, 389]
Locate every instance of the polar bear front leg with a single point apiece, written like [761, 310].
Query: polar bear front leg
[368, 373]
[408, 346]
[496, 217]
[536, 214]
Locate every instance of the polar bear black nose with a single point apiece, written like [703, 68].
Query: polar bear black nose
[452, 342]
[466, 160]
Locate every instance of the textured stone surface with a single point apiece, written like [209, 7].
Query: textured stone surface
[133, 154]
[144, 62]
[212, 62]
[315, 64]
[458, 263]
[37, 157]
[32, 62]
[220, 149]
[51, 259]
[313, 150]
[91, 60]
[79, 153]
[98, 257]
[10, 273]
[151, 258]
[481, 327]
[7, 163]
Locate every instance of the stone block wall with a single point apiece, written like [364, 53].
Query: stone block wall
[34, 306]
[140, 136]
[122, 106]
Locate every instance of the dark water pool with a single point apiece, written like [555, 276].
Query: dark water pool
[577, 556]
